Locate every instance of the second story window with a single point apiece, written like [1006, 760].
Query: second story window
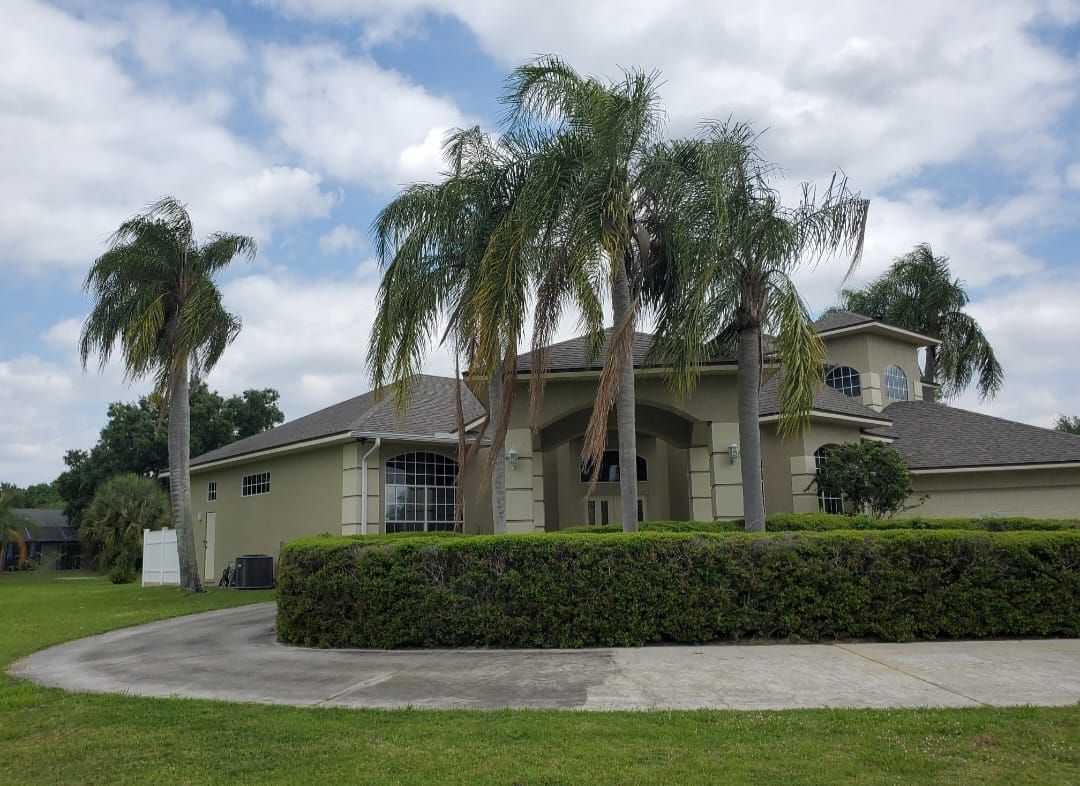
[255, 484]
[211, 491]
[846, 380]
[896, 384]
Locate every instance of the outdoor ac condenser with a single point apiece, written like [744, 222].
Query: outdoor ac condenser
[254, 571]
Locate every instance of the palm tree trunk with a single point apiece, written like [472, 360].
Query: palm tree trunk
[749, 371]
[498, 465]
[180, 478]
[624, 409]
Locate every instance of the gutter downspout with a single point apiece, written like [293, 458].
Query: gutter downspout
[364, 486]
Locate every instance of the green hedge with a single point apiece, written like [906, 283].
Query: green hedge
[823, 522]
[626, 590]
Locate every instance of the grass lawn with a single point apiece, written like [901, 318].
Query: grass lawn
[52, 737]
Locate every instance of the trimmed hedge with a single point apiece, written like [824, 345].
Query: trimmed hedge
[824, 522]
[627, 590]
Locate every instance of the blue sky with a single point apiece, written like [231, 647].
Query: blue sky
[295, 120]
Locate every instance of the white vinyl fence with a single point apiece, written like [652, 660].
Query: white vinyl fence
[160, 562]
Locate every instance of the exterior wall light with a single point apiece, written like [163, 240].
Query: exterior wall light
[733, 452]
[512, 457]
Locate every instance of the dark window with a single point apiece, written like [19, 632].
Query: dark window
[609, 468]
[828, 501]
[211, 491]
[846, 380]
[251, 485]
[420, 493]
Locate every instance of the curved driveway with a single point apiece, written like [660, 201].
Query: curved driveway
[232, 655]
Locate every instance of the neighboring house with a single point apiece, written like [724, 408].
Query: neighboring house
[360, 466]
[50, 542]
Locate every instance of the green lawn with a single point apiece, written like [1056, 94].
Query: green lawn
[52, 737]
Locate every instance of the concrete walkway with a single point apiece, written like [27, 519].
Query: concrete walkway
[232, 655]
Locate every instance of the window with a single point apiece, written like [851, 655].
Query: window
[828, 501]
[896, 384]
[420, 490]
[255, 484]
[845, 379]
[211, 491]
[609, 468]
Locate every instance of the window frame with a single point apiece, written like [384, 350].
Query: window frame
[642, 464]
[890, 376]
[828, 501]
[255, 485]
[847, 379]
[439, 474]
[211, 490]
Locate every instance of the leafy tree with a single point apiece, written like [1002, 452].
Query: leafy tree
[1069, 425]
[583, 205]
[122, 507]
[871, 478]
[729, 247]
[135, 439]
[154, 296]
[434, 241]
[36, 495]
[12, 526]
[919, 293]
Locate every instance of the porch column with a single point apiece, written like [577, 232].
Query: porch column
[352, 455]
[726, 476]
[539, 518]
[521, 481]
[871, 390]
[804, 498]
[701, 502]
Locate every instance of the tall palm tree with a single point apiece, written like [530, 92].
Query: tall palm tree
[434, 241]
[919, 293]
[728, 250]
[582, 202]
[154, 296]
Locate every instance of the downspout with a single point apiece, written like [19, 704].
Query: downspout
[363, 486]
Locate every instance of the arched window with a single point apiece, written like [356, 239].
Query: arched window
[609, 468]
[420, 493]
[896, 384]
[845, 379]
[828, 501]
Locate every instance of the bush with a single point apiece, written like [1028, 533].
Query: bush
[122, 507]
[870, 477]
[122, 572]
[822, 522]
[579, 590]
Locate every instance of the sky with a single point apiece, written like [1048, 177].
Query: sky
[295, 121]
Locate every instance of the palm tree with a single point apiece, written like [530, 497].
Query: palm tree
[582, 204]
[122, 507]
[728, 247]
[12, 527]
[918, 293]
[434, 241]
[154, 296]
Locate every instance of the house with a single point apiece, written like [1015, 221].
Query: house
[361, 466]
[50, 542]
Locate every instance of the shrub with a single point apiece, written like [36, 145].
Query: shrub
[870, 477]
[123, 572]
[628, 590]
[823, 522]
[122, 507]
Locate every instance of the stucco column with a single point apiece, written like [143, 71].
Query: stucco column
[726, 477]
[872, 395]
[804, 497]
[352, 454]
[520, 482]
[701, 502]
[539, 518]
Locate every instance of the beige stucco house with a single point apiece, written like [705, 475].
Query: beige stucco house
[362, 467]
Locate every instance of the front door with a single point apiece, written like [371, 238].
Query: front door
[208, 543]
[608, 510]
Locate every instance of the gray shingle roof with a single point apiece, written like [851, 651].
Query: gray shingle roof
[46, 525]
[936, 436]
[841, 319]
[825, 400]
[431, 410]
[573, 355]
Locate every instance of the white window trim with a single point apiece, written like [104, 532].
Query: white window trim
[211, 491]
[453, 487]
[255, 493]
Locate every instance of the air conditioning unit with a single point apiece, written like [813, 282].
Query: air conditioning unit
[254, 571]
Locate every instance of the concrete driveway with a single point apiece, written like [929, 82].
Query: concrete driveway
[232, 655]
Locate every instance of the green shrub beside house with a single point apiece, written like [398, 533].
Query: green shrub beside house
[823, 522]
[577, 590]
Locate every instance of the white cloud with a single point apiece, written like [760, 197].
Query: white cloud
[177, 42]
[340, 238]
[85, 146]
[353, 119]
[31, 438]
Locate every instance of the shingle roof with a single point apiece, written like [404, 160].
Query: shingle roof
[936, 436]
[840, 319]
[46, 525]
[573, 355]
[825, 400]
[431, 410]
